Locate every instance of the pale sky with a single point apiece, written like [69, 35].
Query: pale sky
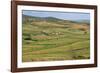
[60, 15]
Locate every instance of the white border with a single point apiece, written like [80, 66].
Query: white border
[52, 63]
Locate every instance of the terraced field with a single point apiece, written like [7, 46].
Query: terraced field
[54, 39]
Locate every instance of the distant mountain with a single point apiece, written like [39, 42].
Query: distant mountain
[52, 19]
[29, 17]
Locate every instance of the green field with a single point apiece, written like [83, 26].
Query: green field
[51, 39]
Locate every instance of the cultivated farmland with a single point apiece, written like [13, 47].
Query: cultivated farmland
[51, 39]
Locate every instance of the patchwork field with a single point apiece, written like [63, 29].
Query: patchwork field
[51, 39]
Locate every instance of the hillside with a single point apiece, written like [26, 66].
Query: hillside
[50, 38]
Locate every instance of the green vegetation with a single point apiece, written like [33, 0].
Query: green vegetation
[49, 39]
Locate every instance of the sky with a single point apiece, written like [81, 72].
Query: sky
[60, 15]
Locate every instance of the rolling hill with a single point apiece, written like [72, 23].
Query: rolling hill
[50, 39]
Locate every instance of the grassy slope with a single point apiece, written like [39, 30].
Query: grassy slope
[50, 40]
